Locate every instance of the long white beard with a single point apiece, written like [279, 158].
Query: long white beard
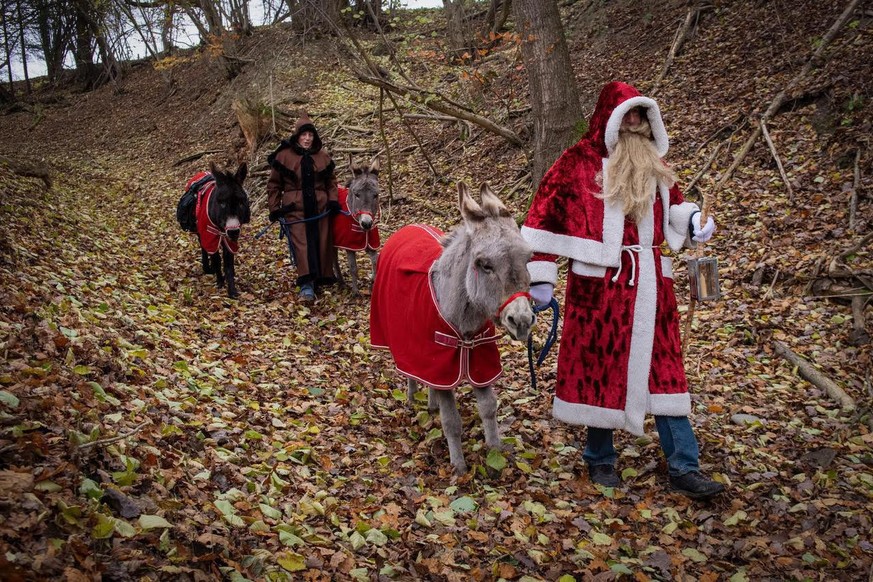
[634, 172]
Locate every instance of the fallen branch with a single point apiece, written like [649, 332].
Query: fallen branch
[679, 39]
[705, 165]
[27, 169]
[782, 97]
[114, 439]
[859, 333]
[196, 156]
[856, 247]
[808, 372]
[431, 117]
[856, 185]
[778, 161]
[738, 123]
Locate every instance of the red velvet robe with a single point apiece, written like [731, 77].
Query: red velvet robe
[405, 318]
[348, 234]
[620, 355]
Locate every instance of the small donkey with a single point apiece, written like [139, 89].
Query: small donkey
[355, 229]
[435, 301]
[222, 208]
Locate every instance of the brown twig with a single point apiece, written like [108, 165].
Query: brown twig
[196, 156]
[678, 40]
[856, 185]
[778, 161]
[114, 439]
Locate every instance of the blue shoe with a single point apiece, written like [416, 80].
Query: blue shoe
[307, 292]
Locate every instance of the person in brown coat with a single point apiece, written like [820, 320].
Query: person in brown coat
[302, 189]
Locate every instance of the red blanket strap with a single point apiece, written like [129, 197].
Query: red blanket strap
[512, 298]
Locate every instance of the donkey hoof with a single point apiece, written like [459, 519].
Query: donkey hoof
[233, 294]
[460, 468]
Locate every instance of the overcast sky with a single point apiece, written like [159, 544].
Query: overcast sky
[36, 67]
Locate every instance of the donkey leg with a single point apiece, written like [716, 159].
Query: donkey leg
[433, 403]
[230, 273]
[411, 389]
[353, 270]
[451, 421]
[204, 260]
[486, 402]
[215, 264]
[337, 271]
[374, 258]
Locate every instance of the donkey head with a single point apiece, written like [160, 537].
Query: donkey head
[363, 197]
[229, 204]
[497, 261]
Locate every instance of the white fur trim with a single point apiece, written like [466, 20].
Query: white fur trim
[676, 232]
[653, 114]
[586, 270]
[643, 333]
[574, 247]
[667, 267]
[670, 404]
[583, 414]
[543, 272]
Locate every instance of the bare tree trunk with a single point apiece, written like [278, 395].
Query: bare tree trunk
[167, 28]
[458, 41]
[8, 52]
[23, 47]
[495, 19]
[554, 96]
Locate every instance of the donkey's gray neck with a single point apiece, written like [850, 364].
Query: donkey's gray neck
[449, 274]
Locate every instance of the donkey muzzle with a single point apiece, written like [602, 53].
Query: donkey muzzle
[365, 219]
[517, 317]
[233, 233]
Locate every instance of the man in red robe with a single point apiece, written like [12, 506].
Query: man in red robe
[608, 203]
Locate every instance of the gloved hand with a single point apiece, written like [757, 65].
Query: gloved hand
[275, 215]
[541, 293]
[333, 207]
[704, 233]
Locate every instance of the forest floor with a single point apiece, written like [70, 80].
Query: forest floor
[152, 428]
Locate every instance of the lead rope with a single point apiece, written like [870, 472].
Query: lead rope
[551, 337]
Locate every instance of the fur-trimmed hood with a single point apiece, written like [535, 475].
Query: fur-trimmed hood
[616, 99]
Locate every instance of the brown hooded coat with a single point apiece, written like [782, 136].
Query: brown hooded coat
[305, 195]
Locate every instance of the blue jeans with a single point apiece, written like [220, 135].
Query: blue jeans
[677, 441]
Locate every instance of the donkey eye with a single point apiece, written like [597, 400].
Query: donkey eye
[486, 267]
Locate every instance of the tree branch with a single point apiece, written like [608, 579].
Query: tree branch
[778, 161]
[809, 373]
[436, 103]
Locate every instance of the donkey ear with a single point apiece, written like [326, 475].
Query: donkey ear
[241, 173]
[374, 166]
[491, 204]
[355, 169]
[470, 210]
[213, 169]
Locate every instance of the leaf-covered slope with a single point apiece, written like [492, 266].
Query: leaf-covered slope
[152, 428]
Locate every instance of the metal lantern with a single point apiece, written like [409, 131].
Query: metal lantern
[703, 275]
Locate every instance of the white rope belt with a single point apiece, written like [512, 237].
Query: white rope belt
[630, 249]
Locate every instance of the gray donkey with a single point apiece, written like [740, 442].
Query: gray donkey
[435, 301]
[354, 229]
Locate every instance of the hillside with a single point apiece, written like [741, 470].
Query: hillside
[151, 428]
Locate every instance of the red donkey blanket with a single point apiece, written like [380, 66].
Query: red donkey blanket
[348, 234]
[405, 318]
[209, 234]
